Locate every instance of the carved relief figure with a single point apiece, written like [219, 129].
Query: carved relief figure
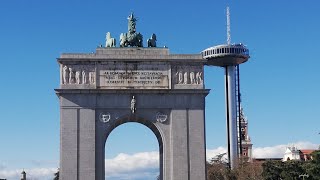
[133, 105]
[78, 77]
[91, 78]
[192, 80]
[122, 40]
[199, 78]
[71, 76]
[65, 75]
[110, 42]
[84, 77]
[185, 78]
[179, 77]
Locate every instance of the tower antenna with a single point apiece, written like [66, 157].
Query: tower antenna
[228, 27]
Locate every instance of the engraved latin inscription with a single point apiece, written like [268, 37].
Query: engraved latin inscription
[133, 78]
[134, 75]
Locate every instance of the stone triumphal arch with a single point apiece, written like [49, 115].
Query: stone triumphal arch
[102, 90]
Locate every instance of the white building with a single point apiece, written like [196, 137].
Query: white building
[293, 153]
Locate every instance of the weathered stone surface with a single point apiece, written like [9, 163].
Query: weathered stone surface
[117, 75]
[131, 68]
[169, 98]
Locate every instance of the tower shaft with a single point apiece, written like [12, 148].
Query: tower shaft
[231, 115]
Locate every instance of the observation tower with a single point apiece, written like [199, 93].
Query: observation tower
[229, 56]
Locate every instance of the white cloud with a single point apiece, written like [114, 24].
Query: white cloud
[124, 164]
[269, 152]
[32, 174]
[278, 150]
[213, 152]
[145, 165]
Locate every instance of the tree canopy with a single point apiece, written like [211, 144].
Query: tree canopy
[268, 170]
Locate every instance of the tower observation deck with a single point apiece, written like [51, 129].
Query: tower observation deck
[226, 55]
[230, 56]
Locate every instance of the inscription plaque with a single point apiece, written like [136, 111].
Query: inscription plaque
[134, 75]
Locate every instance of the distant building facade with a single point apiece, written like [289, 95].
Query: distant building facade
[293, 153]
[246, 144]
[262, 160]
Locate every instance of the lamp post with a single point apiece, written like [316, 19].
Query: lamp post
[304, 175]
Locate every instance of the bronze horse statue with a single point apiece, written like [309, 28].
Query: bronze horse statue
[152, 41]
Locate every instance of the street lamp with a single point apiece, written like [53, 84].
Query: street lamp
[304, 175]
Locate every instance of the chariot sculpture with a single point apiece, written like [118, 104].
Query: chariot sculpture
[131, 38]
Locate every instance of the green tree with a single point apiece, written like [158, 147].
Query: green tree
[218, 171]
[312, 168]
[291, 170]
[56, 175]
[272, 170]
[248, 171]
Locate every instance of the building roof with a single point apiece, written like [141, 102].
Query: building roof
[266, 159]
[307, 151]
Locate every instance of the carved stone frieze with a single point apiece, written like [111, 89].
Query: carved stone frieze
[77, 74]
[188, 75]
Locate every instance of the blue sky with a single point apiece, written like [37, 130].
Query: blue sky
[279, 84]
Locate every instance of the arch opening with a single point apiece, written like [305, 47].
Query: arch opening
[133, 148]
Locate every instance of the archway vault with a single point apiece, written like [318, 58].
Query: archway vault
[146, 124]
[145, 117]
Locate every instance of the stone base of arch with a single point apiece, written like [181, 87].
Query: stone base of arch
[89, 116]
